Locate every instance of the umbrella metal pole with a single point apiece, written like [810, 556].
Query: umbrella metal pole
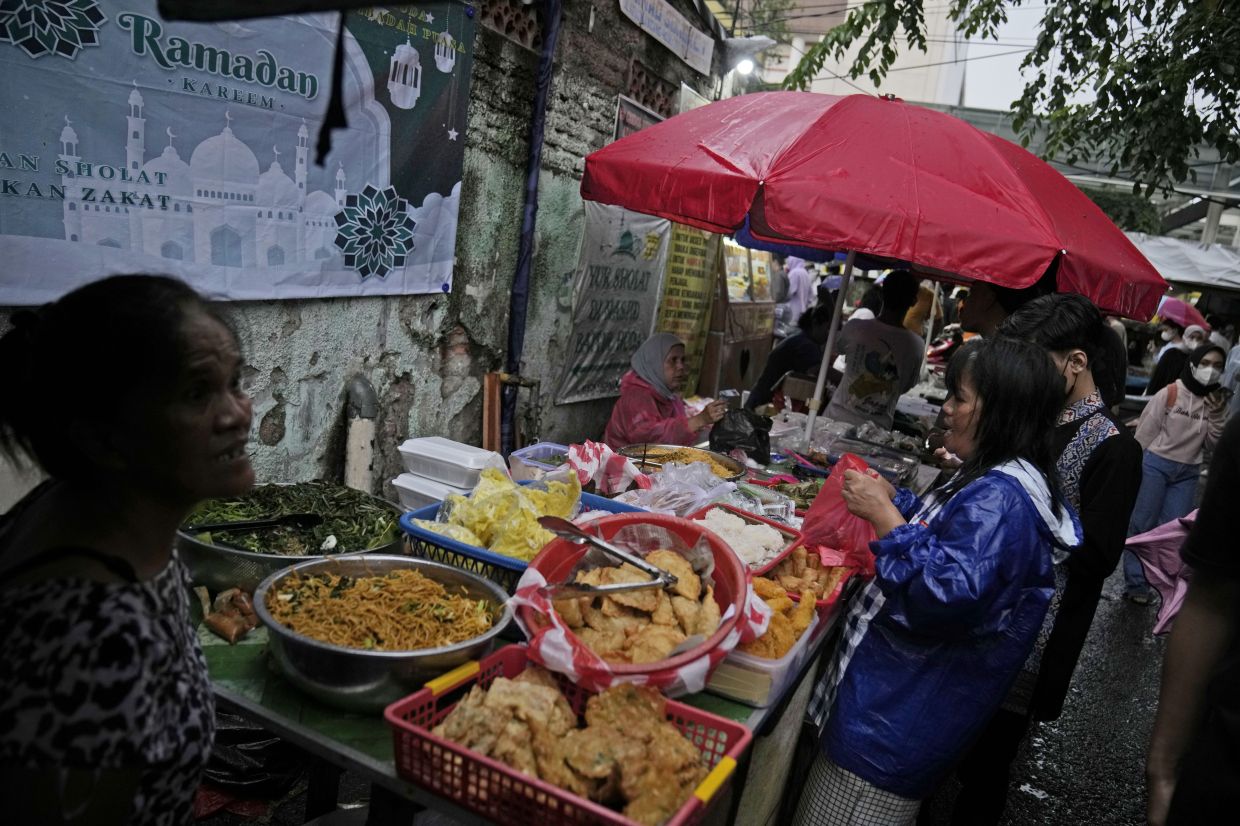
[816, 403]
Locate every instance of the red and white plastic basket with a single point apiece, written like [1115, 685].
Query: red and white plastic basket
[504, 795]
[553, 645]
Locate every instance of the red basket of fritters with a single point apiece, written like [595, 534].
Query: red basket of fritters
[503, 794]
[554, 645]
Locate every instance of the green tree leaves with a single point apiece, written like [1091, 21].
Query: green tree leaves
[1164, 75]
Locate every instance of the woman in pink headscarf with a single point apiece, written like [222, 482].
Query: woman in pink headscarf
[650, 408]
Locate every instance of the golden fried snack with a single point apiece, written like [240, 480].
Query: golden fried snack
[708, 617]
[799, 561]
[803, 614]
[615, 617]
[663, 612]
[657, 802]
[780, 604]
[687, 582]
[606, 644]
[653, 643]
[766, 589]
[626, 707]
[686, 611]
[570, 611]
[644, 600]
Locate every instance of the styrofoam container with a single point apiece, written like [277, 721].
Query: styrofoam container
[444, 460]
[417, 491]
[757, 681]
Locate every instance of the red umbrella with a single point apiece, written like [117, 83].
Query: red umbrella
[880, 178]
[1182, 313]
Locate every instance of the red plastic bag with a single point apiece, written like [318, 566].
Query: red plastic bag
[838, 536]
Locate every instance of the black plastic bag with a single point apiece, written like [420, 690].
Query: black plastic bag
[250, 762]
[746, 430]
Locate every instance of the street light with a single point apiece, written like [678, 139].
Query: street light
[745, 67]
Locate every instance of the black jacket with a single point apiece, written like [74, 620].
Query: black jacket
[1108, 491]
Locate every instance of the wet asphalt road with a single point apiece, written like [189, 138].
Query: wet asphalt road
[1087, 768]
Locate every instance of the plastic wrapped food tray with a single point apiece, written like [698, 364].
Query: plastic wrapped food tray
[757, 681]
[496, 567]
[502, 794]
[793, 537]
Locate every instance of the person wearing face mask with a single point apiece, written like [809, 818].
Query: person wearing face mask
[1172, 357]
[1099, 466]
[1181, 422]
[962, 583]
[650, 408]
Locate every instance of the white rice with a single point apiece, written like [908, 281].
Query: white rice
[755, 543]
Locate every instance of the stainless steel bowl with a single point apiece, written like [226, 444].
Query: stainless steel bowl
[219, 567]
[355, 679]
[654, 453]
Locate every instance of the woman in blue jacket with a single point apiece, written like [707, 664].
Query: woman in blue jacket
[962, 583]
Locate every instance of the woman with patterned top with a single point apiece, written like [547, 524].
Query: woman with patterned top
[126, 392]
[1099, 469]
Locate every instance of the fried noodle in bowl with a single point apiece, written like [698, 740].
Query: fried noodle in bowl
[398, 611]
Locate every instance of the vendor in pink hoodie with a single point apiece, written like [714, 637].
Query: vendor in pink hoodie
[650, 408]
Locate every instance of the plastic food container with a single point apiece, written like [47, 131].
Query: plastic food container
[502, 794]
[536, 460]
[757, 681]
[792, 537]
[444, 460]
[496, 567]
[417, 491]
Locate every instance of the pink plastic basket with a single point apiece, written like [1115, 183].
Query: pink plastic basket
[505, 795]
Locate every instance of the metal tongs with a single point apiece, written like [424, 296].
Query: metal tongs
[564, 529]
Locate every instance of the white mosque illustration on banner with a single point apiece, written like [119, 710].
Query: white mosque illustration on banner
[217, 209]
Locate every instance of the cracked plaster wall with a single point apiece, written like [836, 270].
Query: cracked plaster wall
[426, 355]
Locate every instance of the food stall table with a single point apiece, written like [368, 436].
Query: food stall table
[242, 677]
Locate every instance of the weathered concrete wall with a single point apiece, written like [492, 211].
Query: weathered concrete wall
[426, 355]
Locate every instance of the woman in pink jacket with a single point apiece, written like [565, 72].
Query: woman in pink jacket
[1181, 422]
[650, 408]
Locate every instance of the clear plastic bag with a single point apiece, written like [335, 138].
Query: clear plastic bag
[680, 490]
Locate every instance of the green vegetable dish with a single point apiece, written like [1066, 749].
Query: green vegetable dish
[352, 520]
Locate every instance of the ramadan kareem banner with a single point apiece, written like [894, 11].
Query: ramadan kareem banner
[134, 144]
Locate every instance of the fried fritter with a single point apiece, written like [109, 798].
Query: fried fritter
[606, 644]
[687, 582]
[653, 643]
[708, 617]
[663, 612]
[767, 589]
[803, 614]
[570, 611]
[781, 604]
[624, 705]
[644, 600]
[614, 618]
[686, 611]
